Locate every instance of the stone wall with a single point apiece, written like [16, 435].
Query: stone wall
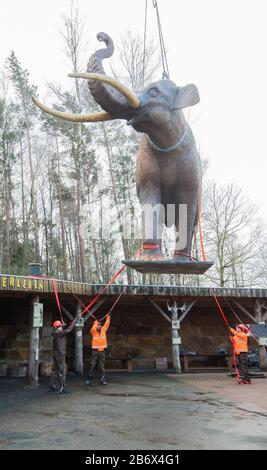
[139, 331]
[15, 323]
[204, 331]
[14, 331]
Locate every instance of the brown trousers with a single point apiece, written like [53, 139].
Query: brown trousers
[59, 372]
[100, 357]
[243, 364]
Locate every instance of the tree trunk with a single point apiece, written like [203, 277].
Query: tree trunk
[117, 204]
[79, 217]
[61, 213]
[33, 198]
[95, 249]
[46, 235]
[24, 228]
[7, 193]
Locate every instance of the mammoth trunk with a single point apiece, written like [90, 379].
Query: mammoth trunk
[108, 98]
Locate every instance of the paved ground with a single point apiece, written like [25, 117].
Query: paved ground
[136, 411]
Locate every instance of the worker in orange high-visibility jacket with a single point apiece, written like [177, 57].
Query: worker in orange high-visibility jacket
[99, 344]
[240, 346]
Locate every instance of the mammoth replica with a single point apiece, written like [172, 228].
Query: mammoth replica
[168, 169]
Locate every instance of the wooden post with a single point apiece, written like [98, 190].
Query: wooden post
[186, 363]
[176, 340]
[260, 314]
[78, 363]
[130, 365]
[34, 348]
[262, 357]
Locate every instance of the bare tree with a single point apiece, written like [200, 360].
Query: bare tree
[73, 34]
[233, 233]
[138, 64]
[24, 90]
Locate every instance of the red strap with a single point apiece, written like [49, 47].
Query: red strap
[212, 290]
[117, 300]
[150, 247]
[100, 293]
[205, 259]
[108, 284]
[57, 299]
[76, 297]
[200, 228]
[219, 306]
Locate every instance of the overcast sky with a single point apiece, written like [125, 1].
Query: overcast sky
[220, 45]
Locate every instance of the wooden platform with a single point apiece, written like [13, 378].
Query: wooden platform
[169, 266]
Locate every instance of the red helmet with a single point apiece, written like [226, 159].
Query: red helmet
[57, 323]
[243, 327]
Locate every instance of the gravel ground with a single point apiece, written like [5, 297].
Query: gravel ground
[136, 411]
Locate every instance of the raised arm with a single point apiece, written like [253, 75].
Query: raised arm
[237, 333]
[94, 327]
[68, 329]
[107, 323]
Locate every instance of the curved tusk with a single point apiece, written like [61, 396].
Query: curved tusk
[93, 117]
[131, 97]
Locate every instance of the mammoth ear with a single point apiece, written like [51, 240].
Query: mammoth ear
[187, 96]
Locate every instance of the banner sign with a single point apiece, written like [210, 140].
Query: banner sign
[21, 283]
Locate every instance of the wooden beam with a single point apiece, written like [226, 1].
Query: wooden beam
[159, 309]
[34, 348]
[244, 310]
[182, 317]
[68, 314]
[94, 308]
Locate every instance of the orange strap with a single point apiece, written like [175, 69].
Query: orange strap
[205, 259]
[200, 228]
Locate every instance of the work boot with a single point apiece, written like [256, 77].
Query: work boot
[88, 380]
[65, 390]
[246, 380]
[103, 381]
[61, 383]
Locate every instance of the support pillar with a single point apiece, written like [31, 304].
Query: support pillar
[34, 348]
[176, 341]
[262, 357]
[78, 362]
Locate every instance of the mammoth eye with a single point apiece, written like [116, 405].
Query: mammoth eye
[154, 92]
